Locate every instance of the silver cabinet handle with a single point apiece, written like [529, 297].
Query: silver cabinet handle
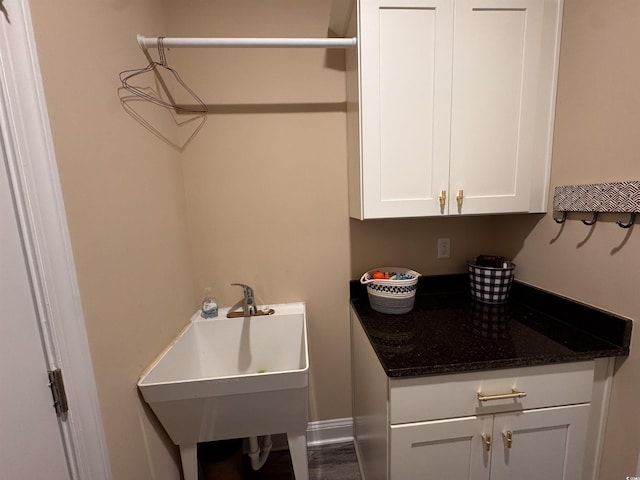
[502, 396]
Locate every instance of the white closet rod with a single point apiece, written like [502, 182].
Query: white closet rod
[176, 42]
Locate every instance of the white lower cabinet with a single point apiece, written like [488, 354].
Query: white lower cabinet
[440, 449]
[546, 443]
[532, 444]
[527, 423]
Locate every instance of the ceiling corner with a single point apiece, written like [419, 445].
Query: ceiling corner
[339, 18]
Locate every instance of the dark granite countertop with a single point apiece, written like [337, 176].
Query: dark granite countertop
[448, 332]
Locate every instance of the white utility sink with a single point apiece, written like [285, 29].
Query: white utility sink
[232, 378]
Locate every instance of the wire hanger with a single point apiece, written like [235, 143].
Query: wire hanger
[150, 95]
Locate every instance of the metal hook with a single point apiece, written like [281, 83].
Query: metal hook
[593, 220]
[561, 220]
[631, 221]
[161, 55]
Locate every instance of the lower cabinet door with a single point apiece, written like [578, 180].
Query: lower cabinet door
[457, 449]
[540, 444]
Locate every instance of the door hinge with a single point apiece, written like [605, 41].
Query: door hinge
[58, 392]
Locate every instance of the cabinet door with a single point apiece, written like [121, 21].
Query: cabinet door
[499, 95]
[453, 448]
[547, 443]
[405, 84]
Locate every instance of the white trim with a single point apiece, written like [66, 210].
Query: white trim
[325, 432]
[34, 178]
[359, 456]
[602, 384]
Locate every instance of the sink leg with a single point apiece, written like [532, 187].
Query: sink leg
[298, 449]
[189, 457]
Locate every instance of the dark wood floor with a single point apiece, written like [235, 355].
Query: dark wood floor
[326, 462]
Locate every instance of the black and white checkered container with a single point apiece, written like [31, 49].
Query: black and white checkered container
[391, 296]
[490, 284]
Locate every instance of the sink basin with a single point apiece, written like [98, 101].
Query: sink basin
[226, 356]
[226, 378]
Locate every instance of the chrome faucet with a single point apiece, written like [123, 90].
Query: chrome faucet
[249, 308]
[249, 305]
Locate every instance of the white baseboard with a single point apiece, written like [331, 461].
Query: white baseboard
[324, 432]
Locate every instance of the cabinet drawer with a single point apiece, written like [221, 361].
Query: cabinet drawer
[448, 396]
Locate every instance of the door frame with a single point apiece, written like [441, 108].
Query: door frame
[33, 176]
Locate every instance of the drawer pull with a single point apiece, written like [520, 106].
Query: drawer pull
[486, 439]
[502, 396]
[508, 437]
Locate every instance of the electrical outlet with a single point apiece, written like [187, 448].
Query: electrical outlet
[444, 248]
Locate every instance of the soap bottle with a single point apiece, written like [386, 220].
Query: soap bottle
[209, 305]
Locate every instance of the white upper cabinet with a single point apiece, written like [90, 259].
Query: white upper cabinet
[450, 106]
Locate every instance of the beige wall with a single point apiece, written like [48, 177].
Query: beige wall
[259, 196]
[265, 180]
[125, 205]
[597, 140]
[413, 242]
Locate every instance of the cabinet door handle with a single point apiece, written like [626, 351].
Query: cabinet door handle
[486, 440]
[514, 394]
[508, 437]
[460, 197]
[443, 198]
